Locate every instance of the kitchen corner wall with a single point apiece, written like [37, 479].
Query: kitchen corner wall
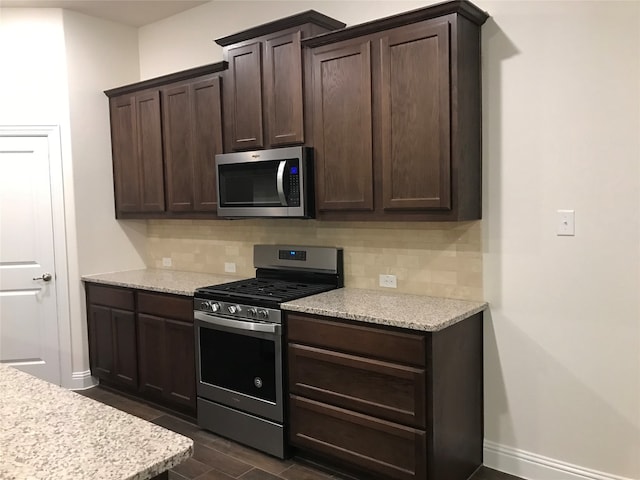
[443, 259]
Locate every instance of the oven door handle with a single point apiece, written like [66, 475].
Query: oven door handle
[238, 324]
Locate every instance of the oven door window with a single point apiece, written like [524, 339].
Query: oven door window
[238, 363]
[252, 184]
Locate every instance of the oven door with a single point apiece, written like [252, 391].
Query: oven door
[239, 364]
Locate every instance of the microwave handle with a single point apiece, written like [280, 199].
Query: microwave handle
[280, 183]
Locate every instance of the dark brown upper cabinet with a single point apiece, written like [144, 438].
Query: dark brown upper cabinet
[263, 99]
[396, 109]
[165, 133]
[192, 119]
[137, 151]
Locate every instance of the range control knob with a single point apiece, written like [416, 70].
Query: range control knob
[215, 306]
[234, 309]
[253, 312]
[263, 314]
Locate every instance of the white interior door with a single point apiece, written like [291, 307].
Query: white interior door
[28, 310]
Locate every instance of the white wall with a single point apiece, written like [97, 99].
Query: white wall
[194, 31]
[32, 74]
[33, 91]
[561, 121]
[54, 66]
[562, 129]
[99, 55]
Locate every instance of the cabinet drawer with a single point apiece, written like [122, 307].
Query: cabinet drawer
[387, 390]
[110, 296]
[379, 343]
[368, 443]
[167, 306]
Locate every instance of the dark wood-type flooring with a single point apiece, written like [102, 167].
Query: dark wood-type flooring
[216, 458]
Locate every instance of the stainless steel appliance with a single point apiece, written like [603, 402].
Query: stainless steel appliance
[239, 342]
[266, 183]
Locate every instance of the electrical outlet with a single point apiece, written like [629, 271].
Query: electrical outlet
[388, 281]
[166, 261]
[229, 267]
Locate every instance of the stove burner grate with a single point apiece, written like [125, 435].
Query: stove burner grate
[271, 289]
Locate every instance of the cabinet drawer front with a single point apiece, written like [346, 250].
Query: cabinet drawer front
[379, 343]
[386, 390]
[110, 296]
[366, 442]
[168, 306]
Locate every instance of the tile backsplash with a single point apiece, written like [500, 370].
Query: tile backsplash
[441, 259]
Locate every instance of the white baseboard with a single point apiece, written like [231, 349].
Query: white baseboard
[82, 380]
[536, 467]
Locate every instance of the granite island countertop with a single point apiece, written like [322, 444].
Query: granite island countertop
[47, 433]
[158, 280]
[414, 312]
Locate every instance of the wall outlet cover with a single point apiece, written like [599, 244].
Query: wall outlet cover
[166, 261]
[388, 281]
[229, 267]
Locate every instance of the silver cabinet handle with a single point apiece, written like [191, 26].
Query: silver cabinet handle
[46, 277]
[280, 183]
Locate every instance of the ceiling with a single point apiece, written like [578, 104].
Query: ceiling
[130, 12]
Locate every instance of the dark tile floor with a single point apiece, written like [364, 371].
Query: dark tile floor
[216, 458]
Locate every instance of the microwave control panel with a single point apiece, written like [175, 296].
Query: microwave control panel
[293, 199]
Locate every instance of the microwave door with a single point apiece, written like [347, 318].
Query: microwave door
[254, 184]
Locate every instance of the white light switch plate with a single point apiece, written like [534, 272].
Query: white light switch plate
[566, 223]
[229, 267]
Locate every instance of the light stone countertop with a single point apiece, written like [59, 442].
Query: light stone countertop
[47, 433]
[415, 312]
[158, 280]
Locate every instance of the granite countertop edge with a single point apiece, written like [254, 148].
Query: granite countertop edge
[175, 282]
[406, 324]
[408, 311]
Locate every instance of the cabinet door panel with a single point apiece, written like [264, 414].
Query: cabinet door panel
[101, 341]
[386, 390]
[124, 145]
[152, 356]
[283, 90]
[342, 126]
[207, 142]
[150, 151]
[124, 335]
[177, 133]
[245, 75]
[415, 118]
[180, 376]
[378, 446]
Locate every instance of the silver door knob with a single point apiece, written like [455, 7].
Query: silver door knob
[46, 277]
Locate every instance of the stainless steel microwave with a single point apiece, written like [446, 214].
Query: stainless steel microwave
[266, 183]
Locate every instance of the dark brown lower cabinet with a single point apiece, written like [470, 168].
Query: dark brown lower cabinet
[384, 402]
[148, 349]
[112, 335]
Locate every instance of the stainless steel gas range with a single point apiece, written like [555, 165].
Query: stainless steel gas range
[239, 342]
